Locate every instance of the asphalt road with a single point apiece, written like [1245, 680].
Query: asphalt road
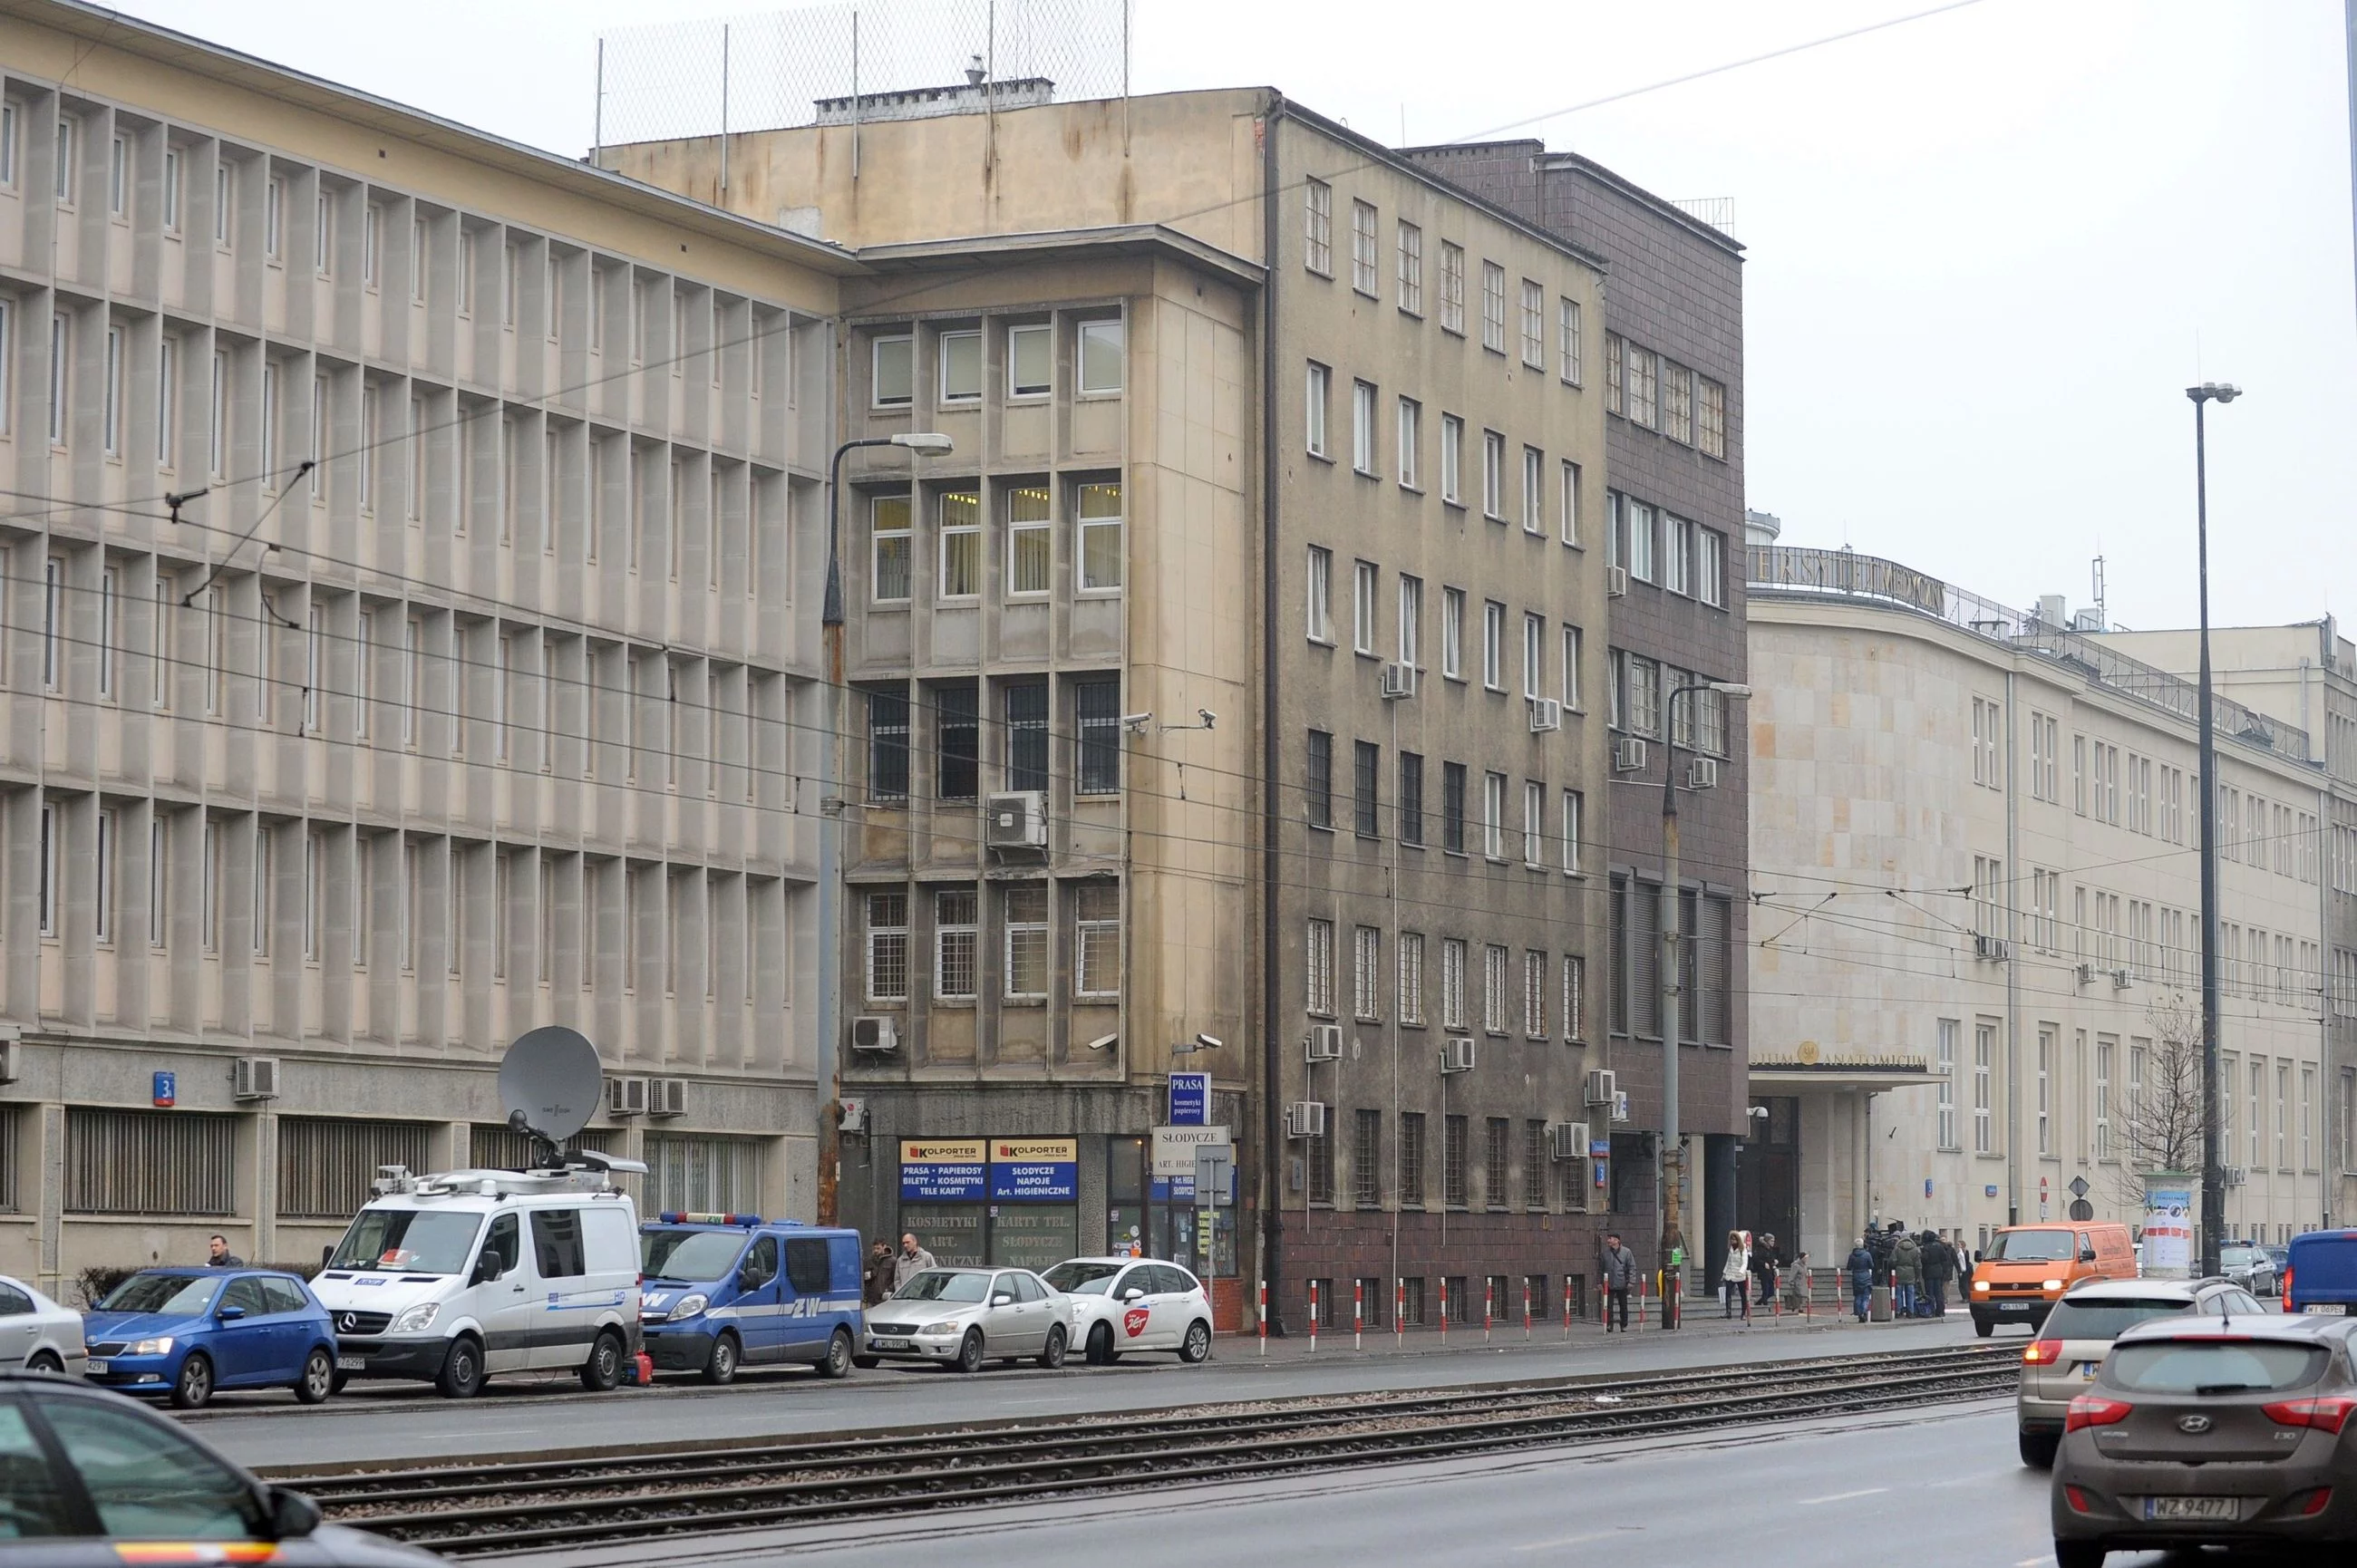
[1938, 1488]
[523, 1418]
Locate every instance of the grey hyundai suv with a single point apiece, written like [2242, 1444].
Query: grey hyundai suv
[2061, 1362]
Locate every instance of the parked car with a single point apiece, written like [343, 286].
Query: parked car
[2027, 1268]
[1120, 1304]
[2061, 1362]
[186, 1332]
[2204, 1431]
[963, 1317]
[2248, 1265]
[721, 1291]
[87, 1469]
[37, 1335]
[2320, 1275]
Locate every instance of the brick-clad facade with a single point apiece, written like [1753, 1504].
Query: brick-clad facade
[1672, 303]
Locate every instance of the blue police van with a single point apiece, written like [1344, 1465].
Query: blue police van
[726, 1291]
[2322, 1275]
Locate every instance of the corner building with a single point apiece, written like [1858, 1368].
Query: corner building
[320, 786]
[1255, 417]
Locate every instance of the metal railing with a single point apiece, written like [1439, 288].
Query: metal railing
[1789, 570]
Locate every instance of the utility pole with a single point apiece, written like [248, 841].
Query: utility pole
[2213, 1174]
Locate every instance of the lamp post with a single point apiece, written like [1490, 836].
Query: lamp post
[1673, 1239]
[830, 1058]
[2213, 1174]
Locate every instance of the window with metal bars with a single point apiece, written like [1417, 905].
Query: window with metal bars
[1494, 1162]
[149, 1161]
[1534, 1163]
[1027, 735]
[1411, 797]
[1411, 1159]
[1318, 780]
[1322, 1169]
[1099, 706]
[702, 1174]
[887, 744]
[1453, 1134]
[325, 1164]
[1366, 1160]
[1452, 807]
[958, 724]
[1366, 758]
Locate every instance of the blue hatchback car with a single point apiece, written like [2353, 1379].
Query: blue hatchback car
[183, 1333]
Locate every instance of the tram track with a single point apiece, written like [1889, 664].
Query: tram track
[489, 1510]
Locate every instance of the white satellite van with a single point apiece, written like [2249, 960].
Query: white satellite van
[451, 1278]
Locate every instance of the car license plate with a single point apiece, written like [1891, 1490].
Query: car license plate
[2327, 1308]
[2193, 1508]
[351, 1363]
[2013, 1306]
[98, 1365]
[890, 1344]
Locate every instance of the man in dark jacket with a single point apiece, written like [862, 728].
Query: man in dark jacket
[880, 1270]
[1861, 1277]
[1764, 1268]
[1939, 1268]
[1617, 1268]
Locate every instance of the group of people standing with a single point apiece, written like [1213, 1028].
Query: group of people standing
[1918, 1269]
[1749, 1272]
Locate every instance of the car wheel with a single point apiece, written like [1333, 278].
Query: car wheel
[720, 1366]
[1982, 1329]
[969, 1356]
[1197, 1345]
[1098, 1350]
[2037, 1449]
[194, 1387]
[318, 1379]
[603, 1370]
[462, 1369]
[43, 1362]
[838, 1356]
[2078, 1554]
[1052, 1357]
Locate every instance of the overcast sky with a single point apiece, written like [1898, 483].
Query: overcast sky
[1989, 249]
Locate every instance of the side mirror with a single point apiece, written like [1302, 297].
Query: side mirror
[1001, 1299]
[327, 1254]
[1132, 1294]
[291, 1515]
[487, 1269]
[230, 1314]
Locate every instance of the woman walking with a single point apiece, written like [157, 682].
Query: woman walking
[1735, 1276]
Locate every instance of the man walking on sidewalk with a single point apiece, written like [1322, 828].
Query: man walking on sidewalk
[1619, 1275]
[1861, 1278]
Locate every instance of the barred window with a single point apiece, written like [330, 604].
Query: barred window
[1712, 420]
[1534, 1173]
[1096, 939]
[150, 1162]
[1411, 977]
[887, 744]
[1367, 973]
[1366, 1160]
[1411, 1160]
[325, 1163]
[1534, 977]
[1575, 997]
[888, 947]
[495, 1146]
[1317, 969]
[702, 1174]
[956, 944]
[1493, 989]
[1027, 939]
[1452, 982]
[1494, 1171]
[1452, 1161]
[1321, 1175]
[1099, 705]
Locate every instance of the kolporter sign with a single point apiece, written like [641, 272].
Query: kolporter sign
[941, 1170]
[1035, 1170]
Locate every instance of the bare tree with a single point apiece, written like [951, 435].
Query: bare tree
[2161, 1130]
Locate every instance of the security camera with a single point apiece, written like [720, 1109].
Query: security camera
[1758, 1113]
[1103, 1042]
[1208, 716]
[1136, 723]
[1208, 1042]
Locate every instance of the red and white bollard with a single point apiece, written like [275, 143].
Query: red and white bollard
[1488, 1308]
[1357, 1315]
[1566, 1308]
[1526, 1310]
[1399, 1313]
[1313, 1317]
[1264, 1317]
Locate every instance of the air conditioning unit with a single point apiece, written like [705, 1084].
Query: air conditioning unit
[2086, 974]
[1620, 1106]
[667, 1097]
[879, 1036]
[2235, 1176]
[1399, 680]
[1305, 1118]
[1628, 756]
[1457, 1053]
[257, 1077]
[1702, 773]
[1547, 715]
[1988, 947]
[1016, 818]
[1568, 1141]
[626, 1097]
[2121, 980]
[1325, 1042]
[1616, 582]
[1602, 1085]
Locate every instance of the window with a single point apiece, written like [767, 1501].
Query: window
[1411, 438]
[1535, 979]
[1711, 423]
[1030, 361]
[1318, 617]
[1318, 969]
[1945, 1082]
[1411, 797]
[1314, 408]
[1102, 353]
[1493, 989]
[53, 630]
[65, 191]
[1318, 215]
[961, 544]
[7, 143]
[956, 936]
[1026, 707]
[1616, 374]
[1366, 974]
[961, 367]
[1984, 1055]
[1494, 308]
[60, 380]
[888, 528]
[1493, 815]
[1454, 1192]
[1411, 1196]
[887, 743]
[1101, 519]
[1567, 339]
[1030, 545]
[2103, 1050]
[1534, 653]
[1452, 288]
[112, 416]
[1534, 325]
[1533, 490]
[958, 720]
[1452, 633]
[1363, 248]
[1362, 428]
[1710, 566]
[1452, 458]
[1363, 577]
[892, 363]
[1571, 669]
[1318, 780]
[1677, 402]
[1366, 1164]
[1452, 807]
[1575, 997]
[1366, 761]
[2048, 1044]
[1494, 638]
[1411, 269]
[1452, 982]
[1642, 375]
[1027, 940]
[1411, 977]
[1573, 802]
[1099, 706]
[262, 890]
[1534, 825]
[888, 947]
[1411, 620]
[1639, 523]
[1493, 476]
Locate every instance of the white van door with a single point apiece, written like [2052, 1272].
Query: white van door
[563, 1323]
[505, 1301]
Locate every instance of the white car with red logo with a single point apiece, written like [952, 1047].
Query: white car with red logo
[1120, 1304]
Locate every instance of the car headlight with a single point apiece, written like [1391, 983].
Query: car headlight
[160, 1346]
[2053, 1284]
[690, 1305]
[1980, 1285]
[945, 1329]
[418, 1319]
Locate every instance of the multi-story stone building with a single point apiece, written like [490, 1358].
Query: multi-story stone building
[1253, 419]
[412, 617]
[1975, 849]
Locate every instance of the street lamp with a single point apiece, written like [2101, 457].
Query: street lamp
[830, 1072]
[1673, 1240]
[2213, 1174]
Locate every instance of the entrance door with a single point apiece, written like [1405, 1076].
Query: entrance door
[1767, 1176]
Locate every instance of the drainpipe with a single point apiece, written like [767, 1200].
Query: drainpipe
[2012, 879]
[1272, 1207]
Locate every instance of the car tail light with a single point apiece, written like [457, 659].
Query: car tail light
[2317, 1502]
[2320, 1414]
[2287, 1290]
[2078, 1498]
[2093, 1410]
[2041, 1353]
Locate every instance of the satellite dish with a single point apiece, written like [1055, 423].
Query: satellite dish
[550, 1081]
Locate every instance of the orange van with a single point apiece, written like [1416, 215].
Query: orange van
[2028, 1267]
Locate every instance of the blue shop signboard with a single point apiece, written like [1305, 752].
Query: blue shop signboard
[941, 1170]
[1035, 1170]
[1190, 1099]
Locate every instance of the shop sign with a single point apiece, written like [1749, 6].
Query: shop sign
[941, 1170]
[1174, 1148]
[1035, 1170]
[1190, 1099]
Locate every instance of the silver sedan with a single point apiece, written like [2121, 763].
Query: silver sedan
[964, 1317]
[37, 1335]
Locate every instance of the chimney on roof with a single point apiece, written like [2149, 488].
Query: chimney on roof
[973, 71]
[2053, 611]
